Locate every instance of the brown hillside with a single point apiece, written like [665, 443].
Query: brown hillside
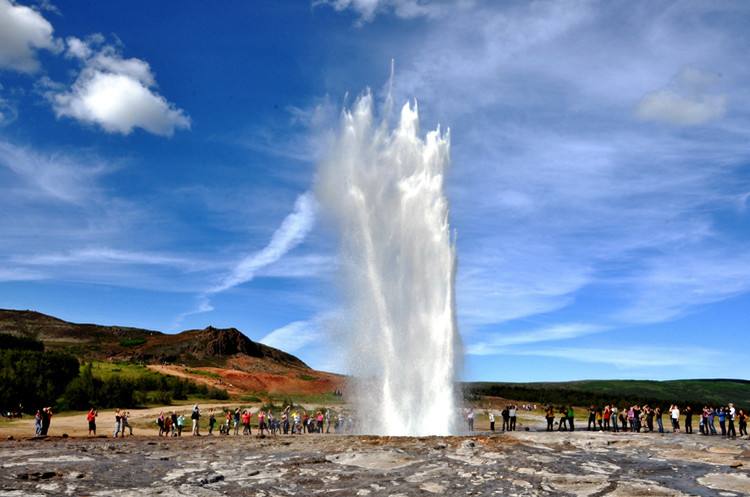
[207, 347]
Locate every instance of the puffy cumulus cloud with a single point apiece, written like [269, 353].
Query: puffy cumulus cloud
[115, 93]
[686, 102]
[23, 31]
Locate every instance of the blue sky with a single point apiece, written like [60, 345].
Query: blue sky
[155, 166]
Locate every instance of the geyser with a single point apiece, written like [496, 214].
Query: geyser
[383, 187]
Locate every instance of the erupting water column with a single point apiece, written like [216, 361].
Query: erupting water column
[384, 189]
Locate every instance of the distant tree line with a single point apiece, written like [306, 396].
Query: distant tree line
[568, 396]
[32, 378]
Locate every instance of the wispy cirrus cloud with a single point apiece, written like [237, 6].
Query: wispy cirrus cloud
[57, 176]
[499, 343]
[292, 231]
[628, 357]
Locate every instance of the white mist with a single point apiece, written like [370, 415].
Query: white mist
[383, 188]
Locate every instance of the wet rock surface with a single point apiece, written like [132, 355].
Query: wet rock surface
[518, 464]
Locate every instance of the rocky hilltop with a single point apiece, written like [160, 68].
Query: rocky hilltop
[207, 347]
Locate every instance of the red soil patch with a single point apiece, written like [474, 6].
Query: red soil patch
[267, 378]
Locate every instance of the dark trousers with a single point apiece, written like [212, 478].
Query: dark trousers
[492, 426]
[512, 423]
[730, 430]
[550, 424]
[570, 423]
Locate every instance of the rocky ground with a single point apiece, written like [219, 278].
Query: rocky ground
[518, 464]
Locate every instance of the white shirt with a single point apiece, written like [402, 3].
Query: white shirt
[492, 418]
[675, 413]
[512, 413]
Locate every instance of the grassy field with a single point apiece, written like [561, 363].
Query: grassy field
[125, 370]
[621, 392]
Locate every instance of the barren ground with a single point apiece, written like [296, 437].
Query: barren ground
[518, 464]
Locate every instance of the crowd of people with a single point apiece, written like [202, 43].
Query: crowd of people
[509, 417]
[290, 421]
[732, 421]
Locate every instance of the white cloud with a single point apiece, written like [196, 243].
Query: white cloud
[293, 336]
[106, 255]
[670, 287]
[51, 175]
[18, 274]
[115, 93]
[500, 342]
[556, 193]
[23, 31]
[627, 357]
[670, 107]
[292, 231]
[367, 10]
[8, 112]
[686, 101]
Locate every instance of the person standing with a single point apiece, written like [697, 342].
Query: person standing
[730, 422]
[592, 419]
[470, 419]
[237, 421]
[118, 421]
[320, 420]
[169, 425]
[125, 424]
[46, 420]
[211, 422]
[38, 423]
[742, 418]
[571, 418]
[688, 419]
[180, 424]
[513, 413]
[659, 422]
[161, 424]
[563, 425]
[722, 421]
[246, 430]
[649, 418]
[506, 418]
[550, 415]
[91, 418]
[613, 417]
[196, 417]
[606, 415]
[491, 417]
[675, 419]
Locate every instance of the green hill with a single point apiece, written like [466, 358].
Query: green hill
[621, 392]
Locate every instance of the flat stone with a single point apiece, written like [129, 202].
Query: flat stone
[382, 461]
[733, 482]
